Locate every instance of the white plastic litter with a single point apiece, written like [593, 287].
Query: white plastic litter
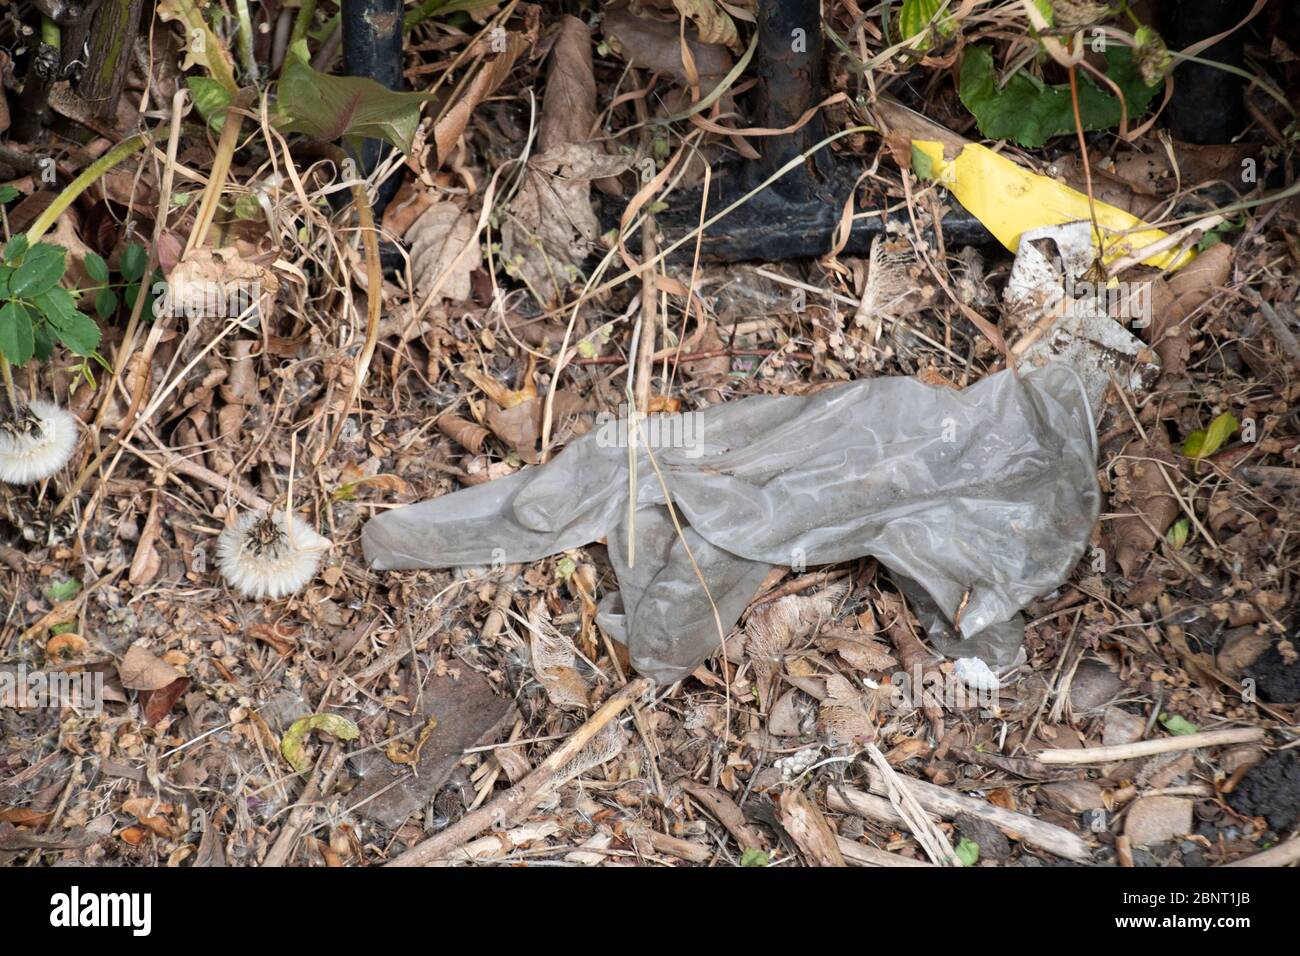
[978, 500]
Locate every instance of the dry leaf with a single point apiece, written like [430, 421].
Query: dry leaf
[775, 625]
[492, 74]
[656, 46]
[1141, 498]
[555, 662]
[809, 829]
[569, 106]
[140, 670]
[221, 283]
[469, 435]
[860, 652]
[444, 251]
[842, 717]
[550, 227]
[157, 704]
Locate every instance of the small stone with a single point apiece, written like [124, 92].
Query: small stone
[1073, 796]
[992, 842]
[1155, 820]
[1094, 684]
[1121, 727]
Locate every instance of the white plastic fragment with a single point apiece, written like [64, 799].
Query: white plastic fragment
[975, 674]
[261, 556]
[37, 443]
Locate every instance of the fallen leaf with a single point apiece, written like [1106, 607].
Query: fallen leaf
[444, 251]
[140, 670]
[292, 746]
[550, 227]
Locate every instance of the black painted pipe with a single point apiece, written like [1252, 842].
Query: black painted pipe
[372, 47]
[1206, 107]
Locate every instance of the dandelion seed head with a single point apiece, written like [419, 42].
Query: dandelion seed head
[261, 556]
[35, 442]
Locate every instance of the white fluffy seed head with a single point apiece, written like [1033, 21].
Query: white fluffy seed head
[262, 557]
[36, 443]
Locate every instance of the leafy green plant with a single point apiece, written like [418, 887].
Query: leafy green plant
[1029, 112]
[36, 312]
[916, 15]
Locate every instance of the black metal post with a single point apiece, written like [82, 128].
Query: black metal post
[372, 47]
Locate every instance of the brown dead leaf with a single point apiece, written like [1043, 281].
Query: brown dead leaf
[444, 251]
[860, 652]
[1173, 301]
[66, 645]
[655, 45]
[842, 717]
[469, 435]
[555, 662]
[139, 670]
[569, 106]
[157, 704]
[279, 638]
[550, 227]
[25, 816]
[1142, 500]
[221, 282]
[490, 76]
[809, 829]
[412, 199]
[146, 563]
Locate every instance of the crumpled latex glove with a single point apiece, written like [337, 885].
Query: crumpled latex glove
[979, 500]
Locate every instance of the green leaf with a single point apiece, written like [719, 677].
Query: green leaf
[8, 194]
[565, 567]
[74, 329]
[753, 857]
[44, 344]
[96, 267]
[134, 259]
[211, 99]
[105, 303]
[291, 746]
[1202, 444]
[42, 267]
[328, 107]
[15, 247]
[64, 590]
[915, 17]
[1178, 726]
[968, 851]
[1028, 111]
[17, 338]
[922, 165]
[1177, 534]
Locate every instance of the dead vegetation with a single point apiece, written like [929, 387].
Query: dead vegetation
[495, 722]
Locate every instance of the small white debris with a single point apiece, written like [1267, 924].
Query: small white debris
[797, 763]
[35, 442]
[262, 557]
[975, 674]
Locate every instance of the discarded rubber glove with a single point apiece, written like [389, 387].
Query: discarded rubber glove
[979, 500]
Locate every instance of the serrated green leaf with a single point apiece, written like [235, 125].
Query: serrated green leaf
[1028, 111]
[753, 857]
[96, 267]
[105, 303]
[1176, 725]
[1202, 444]
[134, 259]
[1177, 534]
[17, 338]
[15, 247]
[44, 345]
[42, 267]
[74, 329]
[328, 108]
